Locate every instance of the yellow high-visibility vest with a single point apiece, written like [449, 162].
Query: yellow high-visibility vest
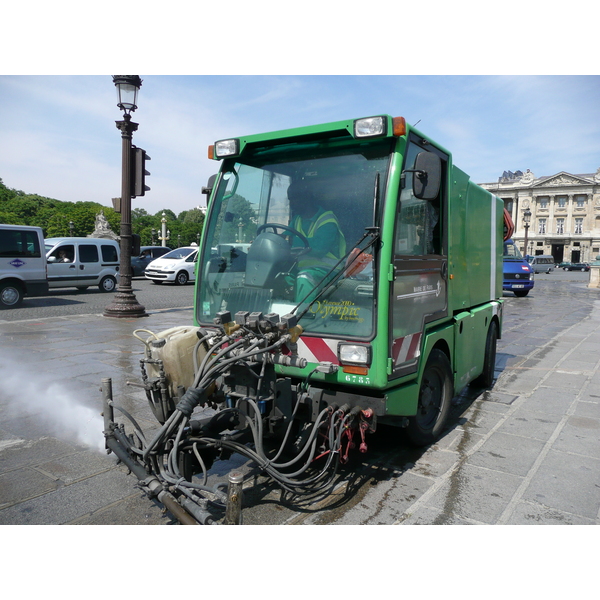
[332, 257]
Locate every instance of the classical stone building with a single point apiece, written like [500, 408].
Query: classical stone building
[565, 213]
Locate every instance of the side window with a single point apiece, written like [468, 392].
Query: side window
[32, 245]
[109, 253]
[418, 222]
[64, 254]
[16, 243]
[88, 253]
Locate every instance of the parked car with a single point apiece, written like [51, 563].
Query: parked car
[23, 269]
[177, 266]
[577, 267]
[147, 255]
[564, 265]
[517, 272]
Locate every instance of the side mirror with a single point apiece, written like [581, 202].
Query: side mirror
[209, 186]
[427, 175]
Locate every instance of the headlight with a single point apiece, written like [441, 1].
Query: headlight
[227, 148]
[354, 354]
[370, 127]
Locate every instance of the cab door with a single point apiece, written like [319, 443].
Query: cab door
[62, 266]
[420, 263]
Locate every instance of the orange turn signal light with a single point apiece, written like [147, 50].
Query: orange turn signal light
[211, 152]
[356, 370]
[399, 126]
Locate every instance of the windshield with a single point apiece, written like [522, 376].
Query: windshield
[277, 230]
[511, 251]
[179, 253]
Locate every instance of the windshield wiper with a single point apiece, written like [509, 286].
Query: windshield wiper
[373, 233]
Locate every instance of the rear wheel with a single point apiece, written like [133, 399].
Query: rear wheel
[11, 295]
[435, 397]
[108, 284]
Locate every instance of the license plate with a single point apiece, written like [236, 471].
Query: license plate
[518, 285]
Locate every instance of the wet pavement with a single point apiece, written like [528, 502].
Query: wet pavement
[525, 452]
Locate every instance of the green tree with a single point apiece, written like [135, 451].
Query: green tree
[169, 214]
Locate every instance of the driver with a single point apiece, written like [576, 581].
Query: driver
[327, 244]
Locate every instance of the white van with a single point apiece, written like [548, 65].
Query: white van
[543, 263]
[22, 264]
[80, 262]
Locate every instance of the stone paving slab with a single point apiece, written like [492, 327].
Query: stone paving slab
[525, 452]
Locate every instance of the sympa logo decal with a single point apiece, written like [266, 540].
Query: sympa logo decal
[16, 263]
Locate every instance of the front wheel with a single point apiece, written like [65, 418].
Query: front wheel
[11, 295]
[181, 278]
[435, 397]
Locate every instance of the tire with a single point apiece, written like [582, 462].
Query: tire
[435, 397]
[486, 379]
[182, 278]
[11, 295]
[107, 284]
[521, 293]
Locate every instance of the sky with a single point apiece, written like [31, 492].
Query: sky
[61, 140]
[501, 90]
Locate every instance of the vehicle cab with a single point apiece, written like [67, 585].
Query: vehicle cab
[366, 235]
[518, 273]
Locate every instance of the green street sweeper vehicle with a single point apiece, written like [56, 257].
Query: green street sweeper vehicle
[349, 274]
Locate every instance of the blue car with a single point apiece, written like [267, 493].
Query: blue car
[147, 255]
[518, 273]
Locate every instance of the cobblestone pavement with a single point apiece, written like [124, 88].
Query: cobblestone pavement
[525, 452]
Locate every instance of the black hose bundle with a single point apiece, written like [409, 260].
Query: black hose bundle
[176, 437]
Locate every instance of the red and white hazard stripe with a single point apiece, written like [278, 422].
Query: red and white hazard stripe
[406, 348]
[318, 349]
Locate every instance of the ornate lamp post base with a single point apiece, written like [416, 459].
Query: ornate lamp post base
[125, 305]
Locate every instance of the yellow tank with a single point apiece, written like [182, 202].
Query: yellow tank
[175, 348]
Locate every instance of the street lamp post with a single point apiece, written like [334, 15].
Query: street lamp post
[166, 233]
[526, 220]
[125, 303]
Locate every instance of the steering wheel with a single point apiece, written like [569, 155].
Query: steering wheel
[291, 230]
